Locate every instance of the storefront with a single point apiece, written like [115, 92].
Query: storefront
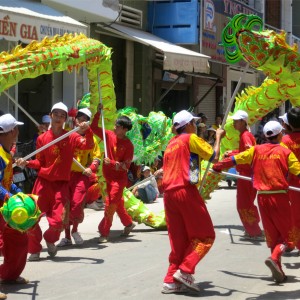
[22, 22]
[215, 16]
[159, 73]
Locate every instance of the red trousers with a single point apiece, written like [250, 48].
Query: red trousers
[114, 202]
[276, 218]
[191, 232]
[14, 247]
[54, 201]
[295, 212]
[79, 185]
[246, 208]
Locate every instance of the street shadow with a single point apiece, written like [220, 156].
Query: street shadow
[292, 266]
[276, 295]
[227, 188]
[94, 244]
[238, 238]
[206, 291]
[290, 279]
[150, 230]
[293, 253]
[77, 259]
[26, 290]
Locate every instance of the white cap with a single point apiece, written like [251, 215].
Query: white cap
[240, 115]
[85, 111]
[145, 168]
[284, 119]
[8, 123]
[272, 128]
[182, 118]
[46, 119]
[60, 106]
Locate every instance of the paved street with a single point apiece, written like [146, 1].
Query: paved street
[134, 267]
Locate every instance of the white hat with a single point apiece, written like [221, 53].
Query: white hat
[145, 168]
[8, 123]
[182, 118]
[60, 106]
[284, 119]
[240, 115]
[272, 128]
[85, 111]
[46, 119]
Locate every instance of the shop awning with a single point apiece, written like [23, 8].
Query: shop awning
[27, 20]
[87, 11]
[176, 58]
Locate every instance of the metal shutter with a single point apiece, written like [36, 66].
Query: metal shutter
[208, 105]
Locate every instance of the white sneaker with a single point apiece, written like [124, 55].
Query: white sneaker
[34, 257]
[174, 288]
[52, 249]
[128, 229]
[103, 239]
[77, 238]
[186, 279]
[64, 242]
[95, 205]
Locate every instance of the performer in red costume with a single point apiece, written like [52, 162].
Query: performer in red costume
[190, 228]
[292, 141]
[52, 184]
[246, 194]
[80, 182]
[13, 243]
[270, 164]
[115, 168]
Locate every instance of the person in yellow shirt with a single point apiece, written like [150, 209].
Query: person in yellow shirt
[80, 182]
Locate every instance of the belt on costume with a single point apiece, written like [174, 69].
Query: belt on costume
[272, 192]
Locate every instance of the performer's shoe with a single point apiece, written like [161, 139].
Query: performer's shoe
[95, 205]
[277, 273]
[64, 242]
[103, 239]
[258, 238]
[77, 238]
[174, 288]
[34, 257]
[19, 280]
[187, 279]
[52, 249]
[128, 229]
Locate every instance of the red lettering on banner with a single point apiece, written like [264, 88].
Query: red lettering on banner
[28, 32]
[232, 8]
[7, 28]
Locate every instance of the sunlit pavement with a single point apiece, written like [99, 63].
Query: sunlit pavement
[134, 267]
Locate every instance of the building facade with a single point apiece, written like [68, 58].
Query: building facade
[166, 54]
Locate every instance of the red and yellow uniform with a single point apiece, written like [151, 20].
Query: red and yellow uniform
[292, 141]
[119, 151]
[80, 183]
[13, 243]
[246, 194]
[271, 164]
[52, 184]
[190, 228]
